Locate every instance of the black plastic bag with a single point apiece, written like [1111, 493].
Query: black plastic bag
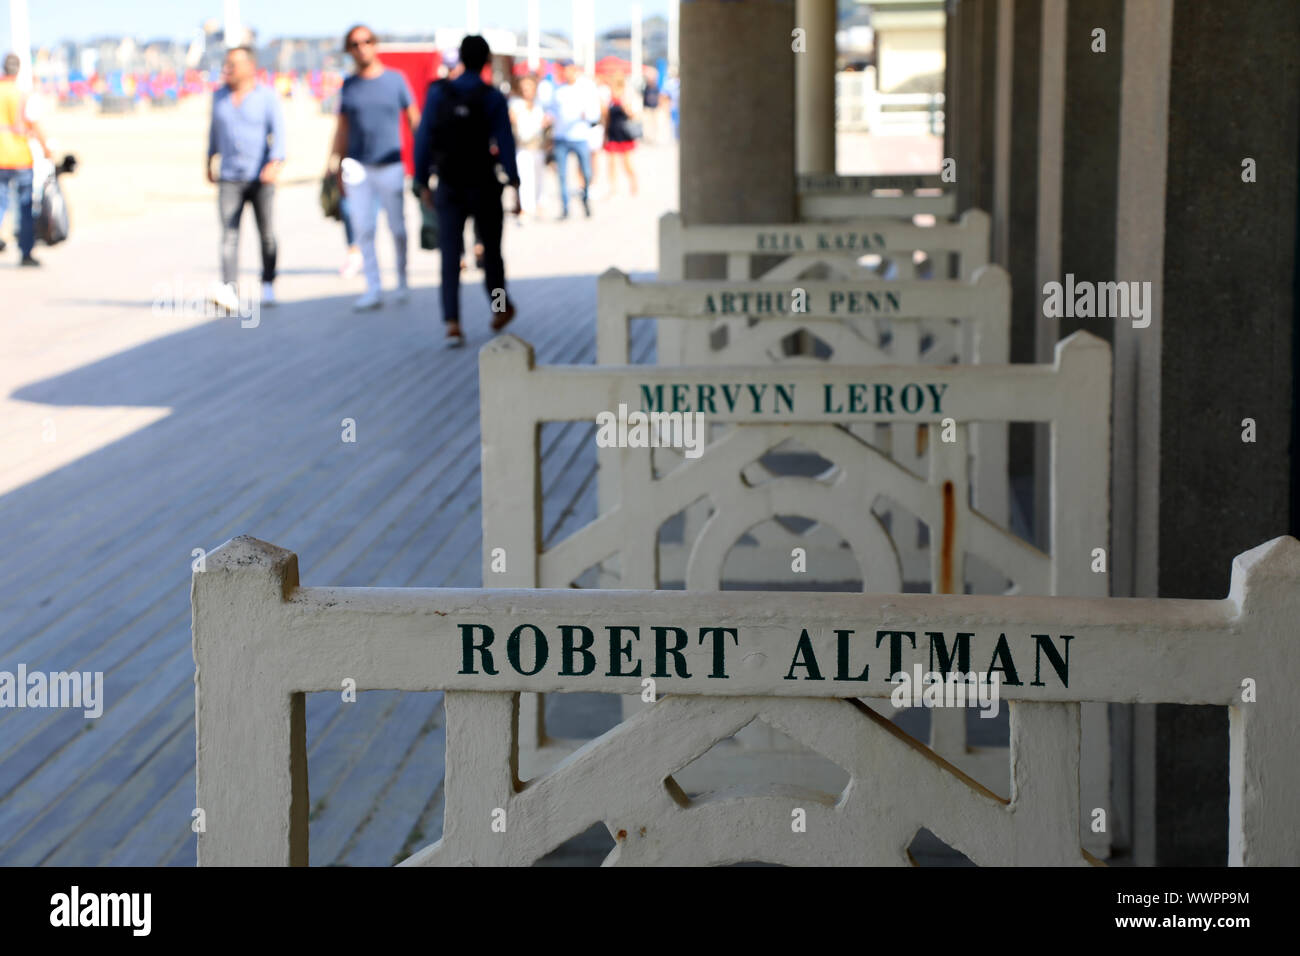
[52, 224]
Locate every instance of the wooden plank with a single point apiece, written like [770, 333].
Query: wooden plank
[353, 799]
[380, 839]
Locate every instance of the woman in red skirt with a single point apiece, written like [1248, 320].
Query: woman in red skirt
[620, 135]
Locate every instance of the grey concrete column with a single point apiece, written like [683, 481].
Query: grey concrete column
[1090, 166]
[1135, 428]
[814, 83]
[973, 109]
[1047, 253]
[737, 113]
[1022, 208]
[951, 69]
[1227, 353]
[737, 116]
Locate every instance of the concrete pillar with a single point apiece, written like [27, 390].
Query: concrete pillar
[1227, 353]
[1051, 138]
[815, 87]
[1022, 208]
[974, 88]
[967, 105]
[987, 91]
[1091, 147]
[951, 69]
[737, 115]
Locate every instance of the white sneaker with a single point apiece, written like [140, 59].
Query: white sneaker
[351, 265]
[268, 294]
[224, 295]
[367, 303]
[402, 294]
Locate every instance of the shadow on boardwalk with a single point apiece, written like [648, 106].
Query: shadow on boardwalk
[253, 445]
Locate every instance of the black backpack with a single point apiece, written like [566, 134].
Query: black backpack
[460, 141]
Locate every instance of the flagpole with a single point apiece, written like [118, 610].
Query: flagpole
[20, 37]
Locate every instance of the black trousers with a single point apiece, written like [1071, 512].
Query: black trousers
[231, 198]
[455, 204]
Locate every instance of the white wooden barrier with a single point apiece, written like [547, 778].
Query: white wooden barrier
[859, 106]
[516, 398]
[830, 197]
[835, 247]
[262, 642]
[963, 321]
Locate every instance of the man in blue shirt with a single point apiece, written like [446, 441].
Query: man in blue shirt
[373, 104]
[574, 106]
[247, 132]
[464, 132]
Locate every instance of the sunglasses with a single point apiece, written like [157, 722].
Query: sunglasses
[357, 44]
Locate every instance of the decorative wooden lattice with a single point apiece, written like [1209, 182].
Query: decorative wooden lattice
[518, 397]
[262, 642]
[928, 322]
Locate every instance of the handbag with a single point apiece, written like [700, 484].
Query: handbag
[428, 228]
[330, 196]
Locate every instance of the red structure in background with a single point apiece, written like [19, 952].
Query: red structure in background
[419, 63]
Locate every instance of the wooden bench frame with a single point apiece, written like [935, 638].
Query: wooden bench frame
[904, 195]
[981, 307]
[262, 642]
[799, 243]
[517, 397]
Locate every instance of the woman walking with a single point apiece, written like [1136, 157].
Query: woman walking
[620, 138]
[529, 119]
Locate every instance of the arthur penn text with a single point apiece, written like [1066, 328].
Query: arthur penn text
[631, 650]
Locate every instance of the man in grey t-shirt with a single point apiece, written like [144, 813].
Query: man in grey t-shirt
[373, 104]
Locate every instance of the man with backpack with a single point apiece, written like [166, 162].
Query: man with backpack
[464, 132]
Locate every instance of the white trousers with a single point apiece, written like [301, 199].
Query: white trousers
[381, 186]
[532, 164]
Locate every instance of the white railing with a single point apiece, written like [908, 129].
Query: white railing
[262, 642]
[860, 107]
[743, 498]
[862, 322]
[831, 197]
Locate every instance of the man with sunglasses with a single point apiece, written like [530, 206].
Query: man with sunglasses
[368, 146]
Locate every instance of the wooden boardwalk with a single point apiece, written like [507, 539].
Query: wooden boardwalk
[174, 433]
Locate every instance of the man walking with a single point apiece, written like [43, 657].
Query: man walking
[464, 132]
[574, 106]
[16, 157]
[247, 132]
[368, 145]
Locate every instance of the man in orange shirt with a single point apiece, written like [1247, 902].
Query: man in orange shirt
[16, 156]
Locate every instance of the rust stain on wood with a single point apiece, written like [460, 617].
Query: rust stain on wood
[949, 533]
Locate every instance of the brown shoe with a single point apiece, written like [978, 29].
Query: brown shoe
[502, 319]
[454, 338]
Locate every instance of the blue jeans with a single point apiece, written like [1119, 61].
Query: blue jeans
[26, 225]
[582, 149]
